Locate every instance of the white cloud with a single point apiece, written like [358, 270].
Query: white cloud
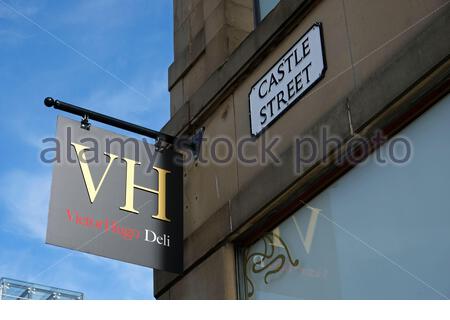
[134, 278]
[28, 9]
[29, 131]
[86, 13]
[137, 278]
[132, 106]
[10, 33]
[118, 280]
[26, 196]
[12, 37]
[13, 262]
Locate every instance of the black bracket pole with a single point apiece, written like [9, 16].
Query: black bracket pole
[194, 143]
[82, 112]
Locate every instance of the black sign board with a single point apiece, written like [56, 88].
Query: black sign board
[116, 197]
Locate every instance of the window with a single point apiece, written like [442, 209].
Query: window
[263, 7]
[379, 232]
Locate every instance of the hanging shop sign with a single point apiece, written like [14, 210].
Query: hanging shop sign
[297, 71]
[116, 197]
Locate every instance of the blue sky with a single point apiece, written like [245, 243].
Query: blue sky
[109, 55]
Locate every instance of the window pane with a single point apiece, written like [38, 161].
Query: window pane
[265, 6]
[379, 232]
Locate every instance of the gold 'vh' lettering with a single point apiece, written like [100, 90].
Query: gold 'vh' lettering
[311, 229]
[87, 176]
[161, 192]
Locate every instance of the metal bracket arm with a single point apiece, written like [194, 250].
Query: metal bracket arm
[87, 115]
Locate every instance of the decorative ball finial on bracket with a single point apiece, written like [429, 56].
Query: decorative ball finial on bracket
[49, 102]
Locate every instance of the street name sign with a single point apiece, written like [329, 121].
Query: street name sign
[295, 73]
